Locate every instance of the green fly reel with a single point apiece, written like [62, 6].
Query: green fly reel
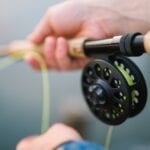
[114, 89]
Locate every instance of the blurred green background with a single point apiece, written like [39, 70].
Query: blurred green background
[21, 90]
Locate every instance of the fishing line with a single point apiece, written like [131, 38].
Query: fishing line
[46, 92]
[6, 62]
[109, 137]
[114, 87]
[45, 120]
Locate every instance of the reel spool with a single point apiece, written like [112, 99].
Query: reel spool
[114, 89]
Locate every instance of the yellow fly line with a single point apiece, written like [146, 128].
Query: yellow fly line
[45, 121]
[108, 139]
[8, 61]
[46, 91]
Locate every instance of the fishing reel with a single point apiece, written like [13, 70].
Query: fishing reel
[113, 86]
[114, 89]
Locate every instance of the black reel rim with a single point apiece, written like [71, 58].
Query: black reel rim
[117, 74]
[140, 86]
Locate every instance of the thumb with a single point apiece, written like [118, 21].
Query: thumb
[26, 143]
[56, 135]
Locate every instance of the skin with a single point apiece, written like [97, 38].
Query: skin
[56, 135]
[73, 19]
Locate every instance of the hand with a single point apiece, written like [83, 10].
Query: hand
[56, 135]
[72, 19]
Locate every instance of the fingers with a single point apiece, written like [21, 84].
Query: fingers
[61, 54]
[33, 62]
[60, 133]
[55, 136]
[56, 56]
[49, 52]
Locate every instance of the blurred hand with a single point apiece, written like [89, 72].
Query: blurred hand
[72, 19]
[56, 135]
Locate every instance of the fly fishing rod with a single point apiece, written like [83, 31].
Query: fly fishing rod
[113, 86]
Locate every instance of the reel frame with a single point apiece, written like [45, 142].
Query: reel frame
[114, 89]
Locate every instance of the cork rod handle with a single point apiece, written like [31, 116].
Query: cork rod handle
[19, 48]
